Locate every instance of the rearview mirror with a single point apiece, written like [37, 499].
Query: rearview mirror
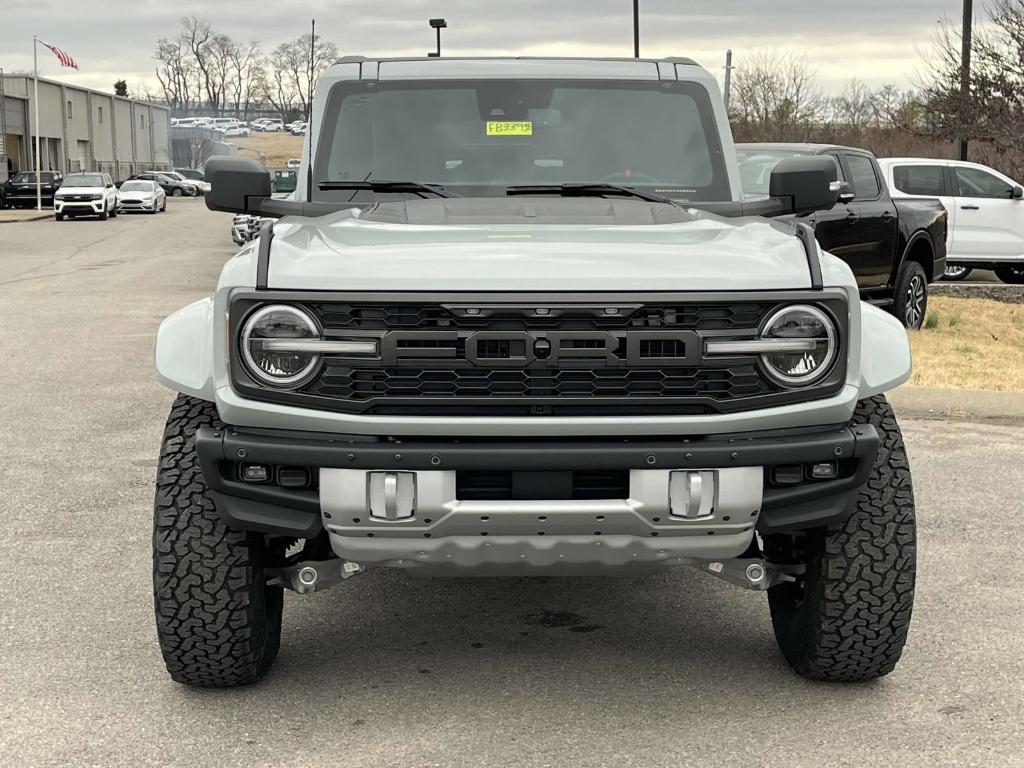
[237, 184]
[805, 184]
[1018, 193]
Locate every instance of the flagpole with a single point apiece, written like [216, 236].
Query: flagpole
[35, 103]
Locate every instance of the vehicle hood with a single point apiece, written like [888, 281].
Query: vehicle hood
[66, 190]
[135, 194]
[700, 251]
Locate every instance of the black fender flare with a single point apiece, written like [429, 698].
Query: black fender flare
[911, 244]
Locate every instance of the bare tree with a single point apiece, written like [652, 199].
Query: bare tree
[292, 72]
[247, 79]
[775, 97]
[852, 108]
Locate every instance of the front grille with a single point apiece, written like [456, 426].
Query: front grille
[360, 385]
[533, 355]
[339, 317]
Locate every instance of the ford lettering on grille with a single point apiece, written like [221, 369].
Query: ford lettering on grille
[552, 349]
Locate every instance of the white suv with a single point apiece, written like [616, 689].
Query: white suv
[85, 194]
[986, 212]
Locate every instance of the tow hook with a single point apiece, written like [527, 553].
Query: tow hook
[750, 572]
[314, 575]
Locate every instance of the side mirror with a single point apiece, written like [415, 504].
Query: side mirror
[805, 184]
[1018, 193]
[237, 184]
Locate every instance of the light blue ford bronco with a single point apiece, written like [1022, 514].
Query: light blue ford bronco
[517, 318]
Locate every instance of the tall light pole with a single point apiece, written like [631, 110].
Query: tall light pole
[438, 24]
[965, 71]
[636, 29]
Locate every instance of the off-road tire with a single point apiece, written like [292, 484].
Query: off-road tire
[1012, 274]
[910, 299]
[846, 618]
[103, 214]
[218, 622]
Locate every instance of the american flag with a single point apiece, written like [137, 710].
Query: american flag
[66, 59]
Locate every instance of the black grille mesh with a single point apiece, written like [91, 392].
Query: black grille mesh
[361, 384]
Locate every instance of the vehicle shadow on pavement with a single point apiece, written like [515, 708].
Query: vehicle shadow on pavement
[387, 628]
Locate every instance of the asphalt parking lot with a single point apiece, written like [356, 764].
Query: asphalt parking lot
[385, 670]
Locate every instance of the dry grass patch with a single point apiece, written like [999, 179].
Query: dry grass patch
[970, 344]
[278, 147]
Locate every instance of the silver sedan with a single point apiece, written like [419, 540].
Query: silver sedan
[141, 195]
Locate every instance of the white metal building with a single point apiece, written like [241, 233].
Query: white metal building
[81, 130]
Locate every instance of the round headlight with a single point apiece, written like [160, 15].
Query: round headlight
[812, 337]
[271, 345]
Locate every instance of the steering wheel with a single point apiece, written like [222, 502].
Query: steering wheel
[628, 178]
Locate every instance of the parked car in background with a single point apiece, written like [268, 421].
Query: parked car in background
[238, 131]
[986, 212]
[191, 174]
[85, 194]
[294, 163]
[300, 129]
[173, 187]
[271, 124]
[141, 195]
[894, 247]
[202, 187]
[20, 189]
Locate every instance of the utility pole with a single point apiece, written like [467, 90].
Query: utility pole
[312, 67]
[728, 78]
[636, 29]
[965, 72]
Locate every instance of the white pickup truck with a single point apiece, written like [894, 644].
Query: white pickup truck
[985, 207]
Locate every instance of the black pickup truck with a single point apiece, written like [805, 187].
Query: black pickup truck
[894, 247]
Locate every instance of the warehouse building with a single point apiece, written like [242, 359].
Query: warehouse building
[80, 130]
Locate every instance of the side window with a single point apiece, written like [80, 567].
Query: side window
[926, 180]
[974, 182]
[863, 177]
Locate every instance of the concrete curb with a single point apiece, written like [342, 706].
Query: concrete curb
[37, 216]
[966, 404]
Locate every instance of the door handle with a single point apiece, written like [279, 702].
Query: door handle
[852, 216]
[970, 207]
[887, 216]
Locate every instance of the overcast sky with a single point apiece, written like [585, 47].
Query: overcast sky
[874, 40]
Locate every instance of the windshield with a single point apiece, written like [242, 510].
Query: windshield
[83, 180]
[756, 167]
[29, 177]
[477, 138]
[137, 186]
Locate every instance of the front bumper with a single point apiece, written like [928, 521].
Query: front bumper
[640, 525]
[136, 205]
[88, 207]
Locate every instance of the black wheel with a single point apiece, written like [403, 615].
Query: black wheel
[956, 272]
[1011, 273]
[58, 216]
[104, 214]
[113, 212]
[910, 300]
[218, 622]
[846, 618]
[176, 192]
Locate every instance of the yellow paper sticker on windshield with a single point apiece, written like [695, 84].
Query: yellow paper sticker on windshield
[507, 128]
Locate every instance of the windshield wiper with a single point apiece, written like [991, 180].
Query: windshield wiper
[596, 189]
[378, 185]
